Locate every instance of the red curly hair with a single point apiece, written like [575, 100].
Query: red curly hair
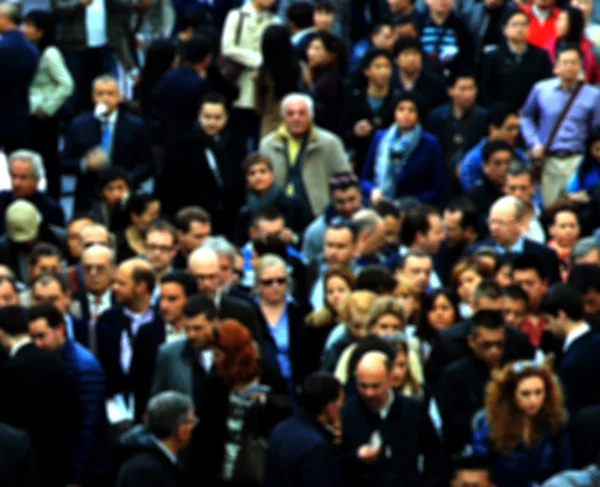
[240, 361]
[505, 419]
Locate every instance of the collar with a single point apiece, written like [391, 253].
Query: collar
[144, 317]
[161, 446]
[512, 51]
[111, 119]
[517, 247]
[542, 14]
[104, 299]
[385, 411]
[18, 346]
[283, 133]
[558, 86]
[575, 334]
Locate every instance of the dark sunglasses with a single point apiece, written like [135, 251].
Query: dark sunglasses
[269, 282]
[489, 345]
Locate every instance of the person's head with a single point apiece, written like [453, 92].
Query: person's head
[354, 312]
[487, 337]
[585, 278]
[401, 376]
[226, 254]
[563, 308]
[300, 15]
[439, 310]
[376, 278]
[198, 52]
[519, 181]
[376, 67]
[586, 251]
[570, 25]
[408, 53]
[404, 25]
[143, 210]
[213, 114]
[398, 5]
[497, 156]
[422, 229]
[272, 279]
[26, 167]
[440, 7]
[373, 379]
[503, 269]
[297, 111]
[52, 288]
[381, 36]
[326, 49]
[160, 245]
[586, 7]
[9, 292]
[10, 16]
[409, 294]
[258, 170]
[44, 257]
[564, 226]
[46, 326]
[515, 23]
[466, 275]
[200, 320]
[391, 217]
[237, 273]
[591, 158]
[203, 265]
[161, 55]
[488, 296]
[407, 111]
[506, 220]
[74, 226]
[175, 289]
[193, 226]
[339, 244]
[569, 61]
[94, 234]
[235, 354]
[39, 27]
[344, 190]
[544, 4]
[462, 88]
[369, 229]
[105, 91]
[460, 220]
[114, 184]
[528, 272]
[471, 471]
[267, 221]
[322, 396]
[417, 266]
[170, 417]
[386, 317]
[516, 305]
[324, 15]
[13, 324]
[98, 266]
[503, 123]
[134, 283]
[338, 282]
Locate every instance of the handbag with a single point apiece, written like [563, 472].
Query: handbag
[250, 464]
[230, 69]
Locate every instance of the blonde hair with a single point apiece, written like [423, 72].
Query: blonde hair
[358, 304]
[385, 305]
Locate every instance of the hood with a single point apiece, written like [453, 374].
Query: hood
[135, 440]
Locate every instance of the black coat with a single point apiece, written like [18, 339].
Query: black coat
[51, 211]
[585, 436]
[17, 459]
[328, 94]
[245, 313]
[431, 89]
[38, 397]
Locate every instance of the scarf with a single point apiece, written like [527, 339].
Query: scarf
[255, 202]
[391, 156]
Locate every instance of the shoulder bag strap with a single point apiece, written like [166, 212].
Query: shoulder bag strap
[562, 116]
[239, 27]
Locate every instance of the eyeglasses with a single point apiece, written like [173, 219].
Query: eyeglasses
[159, 248]
[269, 282]
[521, 365]
[193, 421]
[91, 267]
[518, 24]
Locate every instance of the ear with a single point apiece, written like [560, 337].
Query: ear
[471, 341]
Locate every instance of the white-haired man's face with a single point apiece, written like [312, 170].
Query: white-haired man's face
[297, 117]
[206, 272]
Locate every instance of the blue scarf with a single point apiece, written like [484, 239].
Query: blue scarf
[392, 154]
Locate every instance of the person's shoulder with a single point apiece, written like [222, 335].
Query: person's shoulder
[11, 435]
[83, 120]
[326, 137]
[458, 330]
[429, 139]
[86, 360]
[130, 118]
[173, 346]
[439, 112]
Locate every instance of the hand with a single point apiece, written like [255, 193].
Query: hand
[537, 152]
[95, 159]
[41, 114]
[368, 453]
[376, 196]
[85, 3]
[579, 197]
[363, 128]
[287, 236]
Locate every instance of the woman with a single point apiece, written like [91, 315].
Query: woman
[326, 56]
[564, 230]
[279, 74]
[369, 106]
[523, 427]
[404, 160]
[570, 30]
[51, 87]
[283, 318]
[408, 295]
[141, 210]
[588, 172]
[466, 274]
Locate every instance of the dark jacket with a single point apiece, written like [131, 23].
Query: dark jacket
[328, 93]
[52, 213]
[430, 87]
[20, 60]
[246, 314]
[130, 150]
[17, 460]
[585, 436]
[484, 195]
[146, 465]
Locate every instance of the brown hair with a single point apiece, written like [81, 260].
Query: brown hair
[240, 363]
[385, 305]
[505, 419]
[411, 386]
[254, 159]
[324, 315]
[465, 264]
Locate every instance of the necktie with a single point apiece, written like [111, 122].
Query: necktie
[106, 136]
[214, 167]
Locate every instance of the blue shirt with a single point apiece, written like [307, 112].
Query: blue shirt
[280, 332]
[517, 247]
[589, 180]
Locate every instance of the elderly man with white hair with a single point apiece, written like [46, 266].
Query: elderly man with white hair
[507, 226]
[203, 264]
[26, 168]
[303, 155]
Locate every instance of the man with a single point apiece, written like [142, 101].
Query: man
[44, 257]
[160, 248]
[462, 385]
[152, 449]
[74, 226]
[451, 344]
[175, 289]
[584, 278]
[369, 238]
[110, 135]
[22, 57]
[505, 224]
[301, 449]
[303, 155]
[542, 21]
[470, 471]
[9, 292]
[417, 267]
[484, 21]
[26, 168]
[391, 217]
[579, 368]
[586, 251]
[512, 68]
[18, 466]
[386, 432]
[90, 442]
[541, 119]
[41, 399]
[503, 124]
[193, 226]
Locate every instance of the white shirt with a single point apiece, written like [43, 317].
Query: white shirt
[575, 334]
[95, 24]
[18, 346]
[104, 303]
[385, 411]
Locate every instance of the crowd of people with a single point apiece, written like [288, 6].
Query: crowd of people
[339, 243]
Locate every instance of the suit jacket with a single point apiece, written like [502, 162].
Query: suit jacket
[17, 460]
[52, 213]
[22, 57]
[585, 436]
[40, 399]
[80, 304]
[431, 88]
[173, 371]
[130, 149]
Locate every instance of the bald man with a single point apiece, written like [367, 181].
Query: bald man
[386, 432]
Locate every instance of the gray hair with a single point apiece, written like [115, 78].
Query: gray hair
[105, 78]
[269, 260]
[584, 246]
[366, 220]
[518, 206]
[166, 411]
[299, 97]
[101, 248]
[221, 246]
[35, 159]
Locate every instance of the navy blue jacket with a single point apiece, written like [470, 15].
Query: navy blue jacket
[52, 212]
[19, 61]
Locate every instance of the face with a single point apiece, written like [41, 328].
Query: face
[595, 150]
[520, 186]
[486, 303]
[356, 326]
[532, 284]
[441, 315]
[406, 115]
[514, 312]
[591, 302]
[46, 263]
[398, 5]
[565, 229]
[323, 20]
[383, 39]
[399, 371]
[586, 7]
[471, 478]
[31, 32]
[114, 192]
[418, 270]
[93, 234]
[185, 429]
[172, 300]
[206, 274]
[8, 296]
[297, 118]
[410, 61]
[409, 299]
[53, 294]
[467, 282]
[488, 345]
[259, 178]
[213, 118]
[464, 92]
[199, 330]
[379, 71]
[316, 54]
[150, 214]
[508, 131]
[503, 277]
[386, 325]
[495, 167]
[391, 229]
[160, 250]
[238, 271]
[431, 241]
[568, 66]
[373, 386]
[45, 337]
[269, 227]
[22, 180]
[272, 283]
[346, 202]
[334, 409]
[505, 229]
[530, 395]
[97, 270]
[124, 287]
[562, 24]
[73, 236]
[106, 92]
[516, 28]
[225, 269]
[338, 246]
[195, 236]
[592, 257]
[337, 291]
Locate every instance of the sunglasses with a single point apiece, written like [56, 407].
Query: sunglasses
[269, 282]
[489, 345]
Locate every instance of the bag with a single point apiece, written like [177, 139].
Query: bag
[250, 464]
[230, 69]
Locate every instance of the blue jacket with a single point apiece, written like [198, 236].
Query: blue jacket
[525, 467]
[423, 175]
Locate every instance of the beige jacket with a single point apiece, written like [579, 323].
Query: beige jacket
[248, 51]
[323, 157]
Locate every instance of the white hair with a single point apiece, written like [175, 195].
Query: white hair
[203, 254]
[366, 220]
[221, 246]
[299, 97]
[34, 158]
[512, 202]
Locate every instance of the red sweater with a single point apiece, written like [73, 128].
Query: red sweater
[539, 33]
